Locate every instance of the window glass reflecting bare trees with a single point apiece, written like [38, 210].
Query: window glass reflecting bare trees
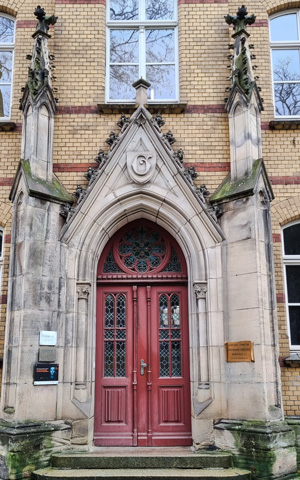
[7, 36]
[285, 43]
[142, 43]
[291, 260]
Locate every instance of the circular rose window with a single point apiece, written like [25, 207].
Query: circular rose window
[141, 250]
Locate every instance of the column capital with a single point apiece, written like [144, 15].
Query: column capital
[200, 289]
[83, 290]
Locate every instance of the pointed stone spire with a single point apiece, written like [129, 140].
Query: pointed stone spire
[141, 87]
[38, 103]
[244, 103]
[39, 72]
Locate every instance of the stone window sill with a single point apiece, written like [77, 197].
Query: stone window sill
[7, 126]
[285, 124]
[293, 360]
[129, 108]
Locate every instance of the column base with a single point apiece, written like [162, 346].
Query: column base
[26, 446]
[265, 448]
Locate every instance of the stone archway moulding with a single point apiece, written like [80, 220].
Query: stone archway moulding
[168, 199]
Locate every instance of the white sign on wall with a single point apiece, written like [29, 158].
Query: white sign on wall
[48, 338]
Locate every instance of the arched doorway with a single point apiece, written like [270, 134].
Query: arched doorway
[142, 389]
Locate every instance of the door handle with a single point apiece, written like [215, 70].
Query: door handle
[143, 366]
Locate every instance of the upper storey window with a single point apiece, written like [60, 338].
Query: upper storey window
[291, 259]
[142, 42]
[285, 45]
[7, 39]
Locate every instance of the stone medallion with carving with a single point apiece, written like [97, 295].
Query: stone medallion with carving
[141, 165]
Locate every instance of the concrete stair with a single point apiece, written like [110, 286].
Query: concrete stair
[160, 463]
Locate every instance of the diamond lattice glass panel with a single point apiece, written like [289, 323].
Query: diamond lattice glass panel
[120, 10]
[121, 334]
[121, 311]
[120, 363]
[164, 334]
[109, 359]
[162, 10]
[109, 311]
[163, 311]
[175, 311]
[115, 336]
[176, 359]
[110, 265]
[164, 359]
[109, 334]
[175, 333]
[142, 250]
[7, 30]
[291, 237]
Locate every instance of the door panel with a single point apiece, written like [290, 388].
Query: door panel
[142, 374]
[114, 367]
[170, 352]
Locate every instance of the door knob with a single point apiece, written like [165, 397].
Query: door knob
[143, 366]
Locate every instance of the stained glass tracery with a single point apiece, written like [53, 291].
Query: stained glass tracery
[142, 250]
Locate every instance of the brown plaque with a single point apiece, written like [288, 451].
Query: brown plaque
[47, 354]
[239, 351]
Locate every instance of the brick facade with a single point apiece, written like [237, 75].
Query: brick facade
[78, 42]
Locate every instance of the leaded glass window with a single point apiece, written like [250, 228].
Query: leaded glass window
[174, 264]
[142, 43]
[142, 250]
[110, 265]
[169, 335]
[285, 49]
[7, 39]
[115, 335]
[291, 257]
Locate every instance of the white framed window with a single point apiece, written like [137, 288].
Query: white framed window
[7, 43]
[291, 260]
[285, 50]
[142, 43]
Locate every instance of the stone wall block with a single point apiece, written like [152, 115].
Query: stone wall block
[247, 287]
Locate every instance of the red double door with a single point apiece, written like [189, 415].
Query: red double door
[142, 393]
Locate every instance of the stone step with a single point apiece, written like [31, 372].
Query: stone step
[99, 461]
[137, 474]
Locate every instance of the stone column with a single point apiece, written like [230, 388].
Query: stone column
[203, 397]
[83, 292]
[200, 289]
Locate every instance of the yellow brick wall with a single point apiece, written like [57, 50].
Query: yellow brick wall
[78, 42]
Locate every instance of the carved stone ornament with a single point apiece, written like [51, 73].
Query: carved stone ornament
[141, 166]
[83, 290]
[200, 290]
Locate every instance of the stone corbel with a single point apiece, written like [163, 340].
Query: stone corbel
[81, 392]
[203, 397]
